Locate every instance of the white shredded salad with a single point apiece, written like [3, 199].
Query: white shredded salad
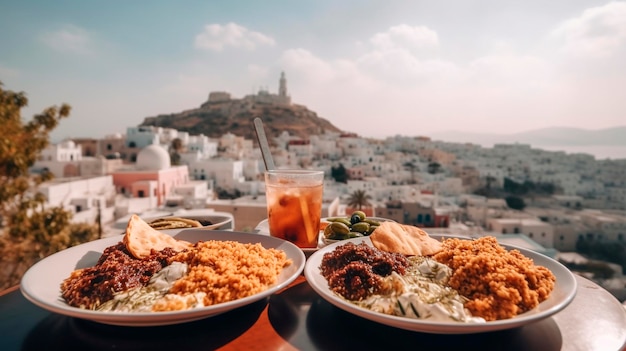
[142, 299]
[422, 293]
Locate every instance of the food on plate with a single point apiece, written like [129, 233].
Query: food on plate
[353, 226]
[117, 270]
[394, 284]
[464, 280]
[404, 239]
[175, 223]
[229, 269]
[356, 271]
[146, 272]
[499, 284]
[140, 238]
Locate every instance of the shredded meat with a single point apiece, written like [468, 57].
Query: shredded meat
[116, 270]
[356, 271]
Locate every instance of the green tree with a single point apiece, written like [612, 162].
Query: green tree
[28, 230]
[176, 148]
[515, 202]
[359, 199]
[434, 167]
[339, 173]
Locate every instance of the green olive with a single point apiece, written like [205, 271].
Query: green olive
[371, 221]
[371, 230]
[361, 227]
[361, 214]
[339, 228]
[355, 235]
[343, 220]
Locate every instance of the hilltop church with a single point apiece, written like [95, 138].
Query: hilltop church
[263, 96]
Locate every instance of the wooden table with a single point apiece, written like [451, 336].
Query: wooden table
[297, 318]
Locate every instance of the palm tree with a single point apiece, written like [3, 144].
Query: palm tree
[411, 166]
[359, 199]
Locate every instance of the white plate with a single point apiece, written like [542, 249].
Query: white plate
[563, 293]
[41, 283]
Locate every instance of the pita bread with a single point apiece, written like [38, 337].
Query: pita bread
[405, 239]
[140, 238]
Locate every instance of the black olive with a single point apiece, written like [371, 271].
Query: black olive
[355, 218]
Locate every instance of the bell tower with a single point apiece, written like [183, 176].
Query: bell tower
[282, 85]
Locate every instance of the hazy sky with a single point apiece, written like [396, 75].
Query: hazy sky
[378, 68]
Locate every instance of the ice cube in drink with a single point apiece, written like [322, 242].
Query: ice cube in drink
[294, 211]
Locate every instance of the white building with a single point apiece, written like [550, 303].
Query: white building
[62, 159]
[540, 232]
[85, 198]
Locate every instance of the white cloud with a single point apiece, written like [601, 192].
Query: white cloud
[257, 71]
[405, 37]
[69, 39]
[216, 37]
[598, 32]
[508, 70]
[413, 94]
[397, 56]
[400, 66]
[309, 65]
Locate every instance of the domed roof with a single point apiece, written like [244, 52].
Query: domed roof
[68, 144]
[153, 158]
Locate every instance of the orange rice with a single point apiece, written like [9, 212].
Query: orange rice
[228, 270]
[499, 284]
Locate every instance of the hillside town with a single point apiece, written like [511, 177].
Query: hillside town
[442, 187]
[570, 207]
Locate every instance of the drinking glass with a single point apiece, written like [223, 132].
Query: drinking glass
[294, 205]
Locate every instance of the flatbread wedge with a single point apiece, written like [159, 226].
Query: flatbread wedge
[140, 238]
[405, 239]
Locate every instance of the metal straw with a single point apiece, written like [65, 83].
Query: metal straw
[265, 148]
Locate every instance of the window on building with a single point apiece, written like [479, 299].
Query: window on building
[140, 193]
[427, 218]
[419, 218]
[503, 230]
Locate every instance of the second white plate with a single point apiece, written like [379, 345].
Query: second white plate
[563, 293]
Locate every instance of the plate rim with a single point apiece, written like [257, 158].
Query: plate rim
[32, 293]
[311, 272]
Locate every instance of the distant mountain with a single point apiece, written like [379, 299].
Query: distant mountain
[216, 118]
[554, 136]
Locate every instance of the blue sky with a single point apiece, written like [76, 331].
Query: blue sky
[378, 68]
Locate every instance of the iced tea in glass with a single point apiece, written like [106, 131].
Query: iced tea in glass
[294, 205]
